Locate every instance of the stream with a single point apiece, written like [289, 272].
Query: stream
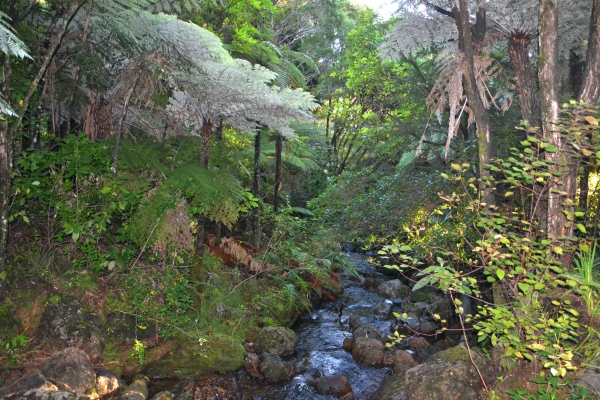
[321, 335]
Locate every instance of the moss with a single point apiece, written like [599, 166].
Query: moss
[219, 354]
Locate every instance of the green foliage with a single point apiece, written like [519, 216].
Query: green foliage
[72, 193]
[535, 314]
[551, 388]
[139, 352]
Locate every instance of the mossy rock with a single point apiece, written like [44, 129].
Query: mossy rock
[449, 375]
[219, 354]
[392, 388]
[422, 295]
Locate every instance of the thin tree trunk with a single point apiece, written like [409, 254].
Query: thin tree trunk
[519, 58]
[482, 118]
[120, 126]
[590, 91]
[198, 270]
[78, 69]
[584, 183]
[562, 193]
[5, 169]
[49, 56]
[278, 151]
[256, 189]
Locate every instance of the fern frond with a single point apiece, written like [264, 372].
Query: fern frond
[9, 42]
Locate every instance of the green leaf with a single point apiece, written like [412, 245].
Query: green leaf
[3, 275]
[500, 273]
[35, 183]
[581, 228]
[106, 190]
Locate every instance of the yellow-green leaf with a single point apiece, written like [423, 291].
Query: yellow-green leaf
[591, 120]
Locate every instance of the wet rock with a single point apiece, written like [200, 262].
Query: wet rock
[393, 289]
[71, 370]
[402, 361]
[137, 390]
[39, 394]
[411, 319]
[423, 353]
[590, 379]
[32, 380]
[348, 396]
[397, 302]
[68, 324]
[392, 388]
[276, 340]
[415, 342]
[428, 327]
[348, 344]
[372, 283]
[368, 351]
[448, 375]
[336, 385]
[364, 331]
[127, 327]
[274, 369]
[382, 310]
[193, 359]
[108, 383]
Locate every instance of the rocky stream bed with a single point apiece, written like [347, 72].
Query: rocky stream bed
[338, 351]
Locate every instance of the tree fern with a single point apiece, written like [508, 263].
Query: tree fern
[10, 44]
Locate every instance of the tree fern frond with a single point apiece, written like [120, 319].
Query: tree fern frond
[5, 108]
[9, 42]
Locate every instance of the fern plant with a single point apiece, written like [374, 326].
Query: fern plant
[10, 44]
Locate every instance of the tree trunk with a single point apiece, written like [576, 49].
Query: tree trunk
[205, 149]
[561, 195]
[120, 127]
[482, 118]
[590, 91]
[278, 150]
[5, 169]
[519, 58]
[584, 183]
[256, 189]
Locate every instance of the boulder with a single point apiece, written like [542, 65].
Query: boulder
[276, 340]
[448, 375]
[108, 383]
[368, 351]
[392, 388]
[335, 385]
[192, 359]
[71, 370]
[67, 323]
[32, 380]
[274, 369]
[393, 289]
[137, 390]
[382, 310]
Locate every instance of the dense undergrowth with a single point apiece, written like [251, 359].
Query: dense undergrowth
[532, 297]
[124, 243]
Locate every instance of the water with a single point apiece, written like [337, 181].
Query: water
[321, 336]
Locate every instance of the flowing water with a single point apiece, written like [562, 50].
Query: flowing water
[321, 335]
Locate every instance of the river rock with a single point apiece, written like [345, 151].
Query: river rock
[382, 310]
[448, 375]
[402, 361]
[274, 369]
[276, 340]
[162, 396]
[428, 327]
[193, 359]
[39, 394]
[137, 390]
[424, 294]
[32, 380]
[68, 324]
[108, 383]
[335, 385]
[393, 289]
[368, 351]
[347, 396]
[71, 370]
[371, 284]
[392, 388]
